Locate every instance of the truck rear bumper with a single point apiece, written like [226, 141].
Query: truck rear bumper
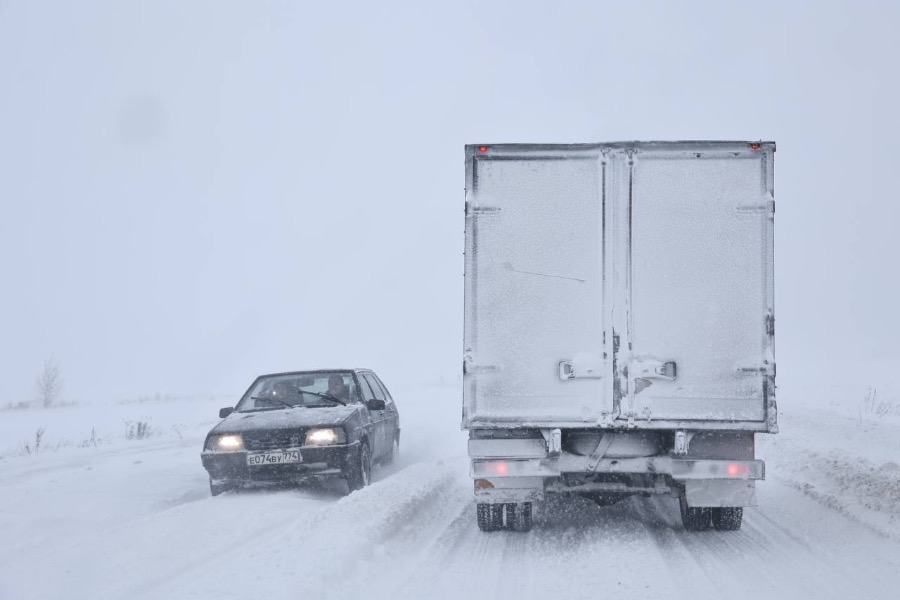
[680, 469]
[713, 483]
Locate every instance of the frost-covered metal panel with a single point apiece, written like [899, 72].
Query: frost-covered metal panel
[534, 288]
[621, 285]
[699, 294]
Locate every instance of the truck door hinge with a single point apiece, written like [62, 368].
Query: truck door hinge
[483, 210]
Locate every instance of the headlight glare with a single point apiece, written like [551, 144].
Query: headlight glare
[325, 437]
[226, 443]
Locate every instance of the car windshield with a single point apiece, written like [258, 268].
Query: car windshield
[299, 390]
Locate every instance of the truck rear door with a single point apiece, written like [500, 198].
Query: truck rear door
[535, 349]
[700, 288]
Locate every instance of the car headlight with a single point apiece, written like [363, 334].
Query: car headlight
[325, 437]
[225, 443]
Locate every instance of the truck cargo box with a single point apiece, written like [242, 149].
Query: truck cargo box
[620, 286]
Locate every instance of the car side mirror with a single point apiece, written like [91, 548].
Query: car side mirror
[375, 404]
[224, 412]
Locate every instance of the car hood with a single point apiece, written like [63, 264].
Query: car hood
[287, 418]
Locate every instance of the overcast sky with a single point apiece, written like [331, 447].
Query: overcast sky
[197, 192]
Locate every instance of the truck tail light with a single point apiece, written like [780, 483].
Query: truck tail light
[737, 469]
[497, 467]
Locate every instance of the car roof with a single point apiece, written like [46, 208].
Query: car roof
[329, 370]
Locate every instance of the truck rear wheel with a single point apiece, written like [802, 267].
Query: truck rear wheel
[518, 516]
[727, 518]
[694, 518]
[485, 516]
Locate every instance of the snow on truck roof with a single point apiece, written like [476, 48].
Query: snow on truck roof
[686, 145]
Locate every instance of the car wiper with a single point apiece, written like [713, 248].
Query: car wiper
[326, 396]
[278, 400]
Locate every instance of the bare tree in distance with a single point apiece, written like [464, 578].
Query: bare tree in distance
[49, 383]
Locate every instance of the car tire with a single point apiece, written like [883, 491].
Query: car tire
[727, 518]
[359, 472]
[695, 518]
[395, 451]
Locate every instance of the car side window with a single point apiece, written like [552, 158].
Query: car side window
[367, 392]
[383, 387]
[376, 389]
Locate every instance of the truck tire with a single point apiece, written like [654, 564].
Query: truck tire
[694, 518]
[510, 515]
[483, 514]
[727, 518]
[518, 516]
[496, 516]
[490, 516]
[359, 471]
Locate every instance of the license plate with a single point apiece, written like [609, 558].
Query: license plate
[274, 458]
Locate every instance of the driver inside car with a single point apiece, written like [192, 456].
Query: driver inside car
[337, 388]
[282, 391]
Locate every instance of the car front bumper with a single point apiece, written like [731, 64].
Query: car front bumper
[317, 462]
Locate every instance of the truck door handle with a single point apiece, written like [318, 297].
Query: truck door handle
[584, 365]
[654, 369]
[565, 370]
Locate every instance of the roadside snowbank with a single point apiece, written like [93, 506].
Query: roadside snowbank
[837, 448]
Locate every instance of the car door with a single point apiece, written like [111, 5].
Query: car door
[376, 435]
[392, 420]
[379, 417]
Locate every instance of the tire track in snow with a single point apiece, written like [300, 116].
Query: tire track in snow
[635, 549]
[766, 558]
[305, 554]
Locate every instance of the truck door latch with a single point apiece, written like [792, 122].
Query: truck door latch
[583, 365]
[654, 369]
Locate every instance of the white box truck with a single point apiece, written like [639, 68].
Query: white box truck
[619, 325]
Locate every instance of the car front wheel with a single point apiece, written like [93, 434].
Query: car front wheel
[360, 470]
[219, 488]
[395, 451]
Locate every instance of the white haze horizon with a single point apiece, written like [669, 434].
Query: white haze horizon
[196, 193]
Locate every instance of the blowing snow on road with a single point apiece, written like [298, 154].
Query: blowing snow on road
[134, 519]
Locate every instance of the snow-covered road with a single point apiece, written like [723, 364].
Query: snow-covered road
[135, 520]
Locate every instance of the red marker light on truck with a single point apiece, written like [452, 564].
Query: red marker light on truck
[497, 467]
[737, 469]
[482, 148]
[754, 146]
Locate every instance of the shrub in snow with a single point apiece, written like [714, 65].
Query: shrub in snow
[137, 430]
[872, 405]
[34, 448]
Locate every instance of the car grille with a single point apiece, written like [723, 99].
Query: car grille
[274, 440]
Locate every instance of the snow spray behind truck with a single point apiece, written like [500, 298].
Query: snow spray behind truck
[619, 325]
